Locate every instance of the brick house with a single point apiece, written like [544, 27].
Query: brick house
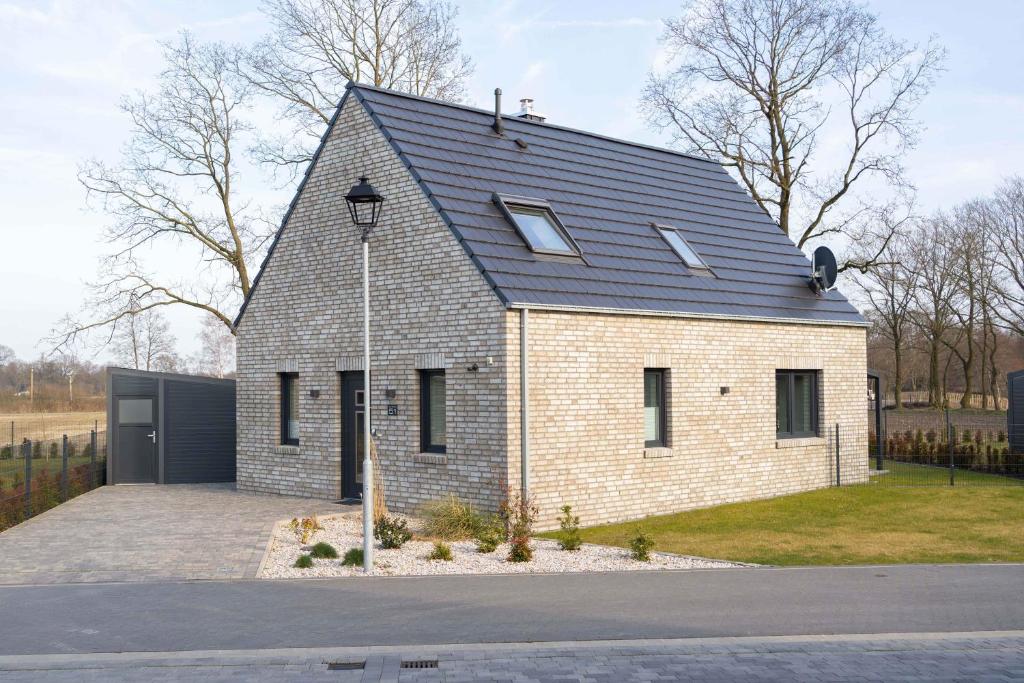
[674, 354]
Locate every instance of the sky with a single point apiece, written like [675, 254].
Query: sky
[65, 65]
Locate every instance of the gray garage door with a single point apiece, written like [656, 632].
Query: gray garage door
[169, 429]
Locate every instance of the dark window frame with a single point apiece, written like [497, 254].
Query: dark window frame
[286, 379]
[508, 202]
[425, 445]
[790, 376]
[661, 440]
[700, 268]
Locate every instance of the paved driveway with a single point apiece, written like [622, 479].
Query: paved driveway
[148, 533]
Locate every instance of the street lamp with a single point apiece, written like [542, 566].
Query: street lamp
[364, 204]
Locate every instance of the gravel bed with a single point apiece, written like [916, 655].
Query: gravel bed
[345, 531]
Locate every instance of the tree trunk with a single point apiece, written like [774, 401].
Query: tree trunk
[994, 380]
[935, 398]
[897, 379]
[983, 375]
[968, 366]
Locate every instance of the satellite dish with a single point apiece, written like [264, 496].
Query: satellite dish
[823, 270]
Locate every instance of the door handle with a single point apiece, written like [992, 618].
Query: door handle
[152, 436]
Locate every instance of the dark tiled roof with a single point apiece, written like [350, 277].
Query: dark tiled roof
[608, 193]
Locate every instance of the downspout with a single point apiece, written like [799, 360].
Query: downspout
[524, 406]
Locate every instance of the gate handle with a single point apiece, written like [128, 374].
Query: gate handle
[152, 436]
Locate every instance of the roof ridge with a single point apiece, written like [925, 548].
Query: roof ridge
[512, 117]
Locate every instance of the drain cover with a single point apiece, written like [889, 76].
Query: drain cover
[345, 666]
[419, 664]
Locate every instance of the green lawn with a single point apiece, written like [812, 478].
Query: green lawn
[865, 524]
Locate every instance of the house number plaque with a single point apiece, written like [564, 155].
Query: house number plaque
[392, 409]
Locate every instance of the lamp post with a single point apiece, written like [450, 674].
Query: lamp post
[364, 204]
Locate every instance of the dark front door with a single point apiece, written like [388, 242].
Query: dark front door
[135, 459]
[353, 419]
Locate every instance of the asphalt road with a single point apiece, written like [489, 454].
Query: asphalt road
[244, 615]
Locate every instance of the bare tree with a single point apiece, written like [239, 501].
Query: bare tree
[144, 342]
[6, 354]
[934, 262]
[889, 289]
[318, 46]
[1007, 216]
[754, 83]
[965, 232]
[216, 356]
[175, 186]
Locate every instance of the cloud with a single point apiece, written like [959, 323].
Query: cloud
[537, 24]
[533, 72]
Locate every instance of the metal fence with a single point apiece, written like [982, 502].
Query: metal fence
[953, 398]
[945, 448]
[43, 471]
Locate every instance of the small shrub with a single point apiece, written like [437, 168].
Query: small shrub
[353, 558]
[323, 551]
[442, 551]
[1001, 436]
[520, 550]
[72, 449]
[570, 524]
[392, 532]
[54, 451]
[490, 536]
[305, 529]
[451, 519]
[5, 453]
[304, 562]
[640, 546]
[520, 514]
[37, 450]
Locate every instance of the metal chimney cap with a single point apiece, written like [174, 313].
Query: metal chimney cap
[527, 111]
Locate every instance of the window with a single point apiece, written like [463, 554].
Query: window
[135, 411]
[654, 408]
[538, 225]
[432, 411]
[796, 403]
[683, 249]
[289, 409]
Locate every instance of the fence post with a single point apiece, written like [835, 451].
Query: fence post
[26, 452]
[952, 447]
[64, 468]
[839, 481]
[92, 458]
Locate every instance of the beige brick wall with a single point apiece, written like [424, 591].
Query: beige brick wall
[586, 411]
[430, 306]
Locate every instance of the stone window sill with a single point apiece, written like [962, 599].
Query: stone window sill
[286, 450]
[431, 458]
[798, 443]
[658, 452]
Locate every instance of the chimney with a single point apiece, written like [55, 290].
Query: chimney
[498, 126]
[526, 111]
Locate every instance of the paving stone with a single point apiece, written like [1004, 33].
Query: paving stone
[148, 533]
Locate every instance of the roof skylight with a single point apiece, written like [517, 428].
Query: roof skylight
[683, 249]
[538, 225]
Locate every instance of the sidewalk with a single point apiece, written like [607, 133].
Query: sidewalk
[980, 656]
